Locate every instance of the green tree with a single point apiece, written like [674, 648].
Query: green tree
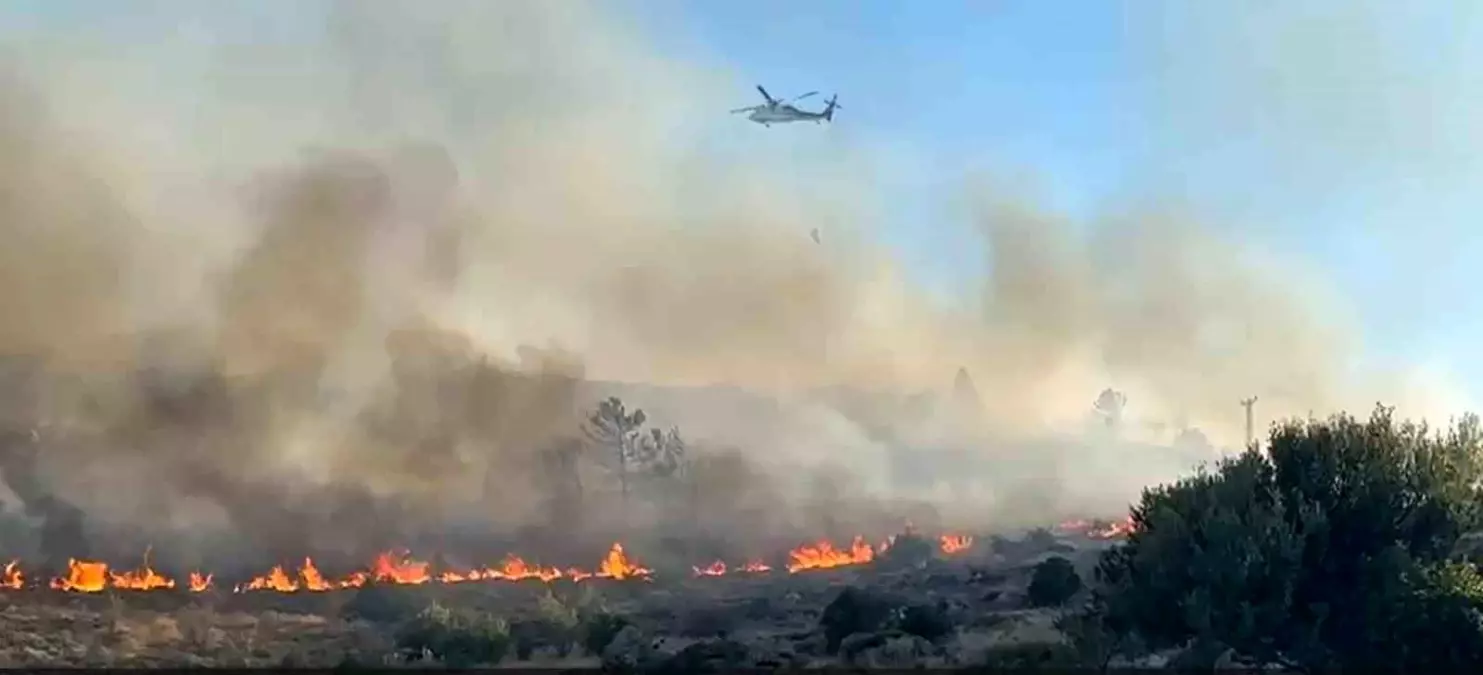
[1053, 583]
[1331, 550]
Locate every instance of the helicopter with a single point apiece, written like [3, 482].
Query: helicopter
[776, 111]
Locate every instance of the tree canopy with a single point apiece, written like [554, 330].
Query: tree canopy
[1335, 548]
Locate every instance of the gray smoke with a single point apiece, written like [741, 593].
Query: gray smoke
[356, 271]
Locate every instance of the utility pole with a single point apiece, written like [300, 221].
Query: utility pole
[1247, 404]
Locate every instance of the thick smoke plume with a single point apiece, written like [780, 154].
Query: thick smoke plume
[368, 270]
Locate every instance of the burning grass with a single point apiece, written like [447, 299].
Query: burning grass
[400, 609]
[399, 568]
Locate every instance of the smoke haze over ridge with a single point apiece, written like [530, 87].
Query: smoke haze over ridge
[536, 176]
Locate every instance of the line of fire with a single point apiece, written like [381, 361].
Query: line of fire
[91, 576]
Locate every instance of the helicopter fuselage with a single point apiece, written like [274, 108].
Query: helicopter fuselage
[780, 114]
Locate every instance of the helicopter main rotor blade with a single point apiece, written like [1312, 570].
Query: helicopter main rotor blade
[804, 96]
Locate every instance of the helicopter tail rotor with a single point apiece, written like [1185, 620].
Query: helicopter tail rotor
[832, 105]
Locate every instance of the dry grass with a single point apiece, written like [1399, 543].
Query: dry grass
[118, 636]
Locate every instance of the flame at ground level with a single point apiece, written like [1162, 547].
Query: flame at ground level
[954, 543]
[91, 576]
[389, 568]
[719, 568]
[13, 578]
[823, 555]
[88, 576]
[1119, 529]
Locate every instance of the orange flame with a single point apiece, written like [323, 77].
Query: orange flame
[954, 543]
[1092, 530]
[13, 578]
[514, 568]
[1117, 530]
[84, 576]
[276, 580]
[313, 580]
[823, 555]
[615, 565]
[714, 569]
[142, 579]
[398, 568]
[403, 571]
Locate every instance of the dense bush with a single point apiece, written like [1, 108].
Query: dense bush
[459, 639]
[1053, 583]
[382, 603]
[854, 610]
[930, 622]
[598, 630]
[1331, 550]
[555, 626]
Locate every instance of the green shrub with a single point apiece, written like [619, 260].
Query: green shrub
[1329, 551]
[382, 603]
[555, 625]
[1053, 583]
[459, 639]
[598, 630]
[854, 610]
[528, 635]
[552, 610]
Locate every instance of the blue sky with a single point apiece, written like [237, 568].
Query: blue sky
[958, 85]
[1336, 133]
